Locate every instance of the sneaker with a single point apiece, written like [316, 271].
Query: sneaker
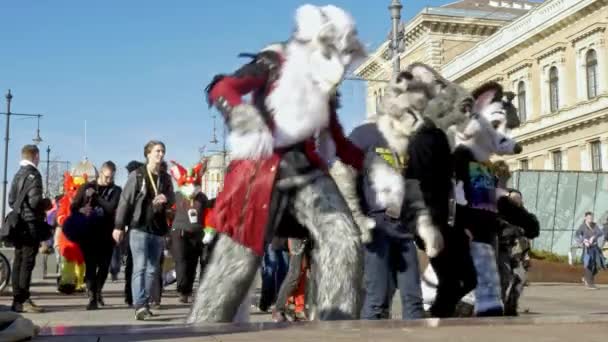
[92, 305]
[183, 299]
[300, 316]
[114, 277]
[155, 306]
[143, 314]
[278, 317]
[30, 307]
[100, 300]
[17, 307]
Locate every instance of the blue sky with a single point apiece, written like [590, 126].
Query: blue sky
[135, 70]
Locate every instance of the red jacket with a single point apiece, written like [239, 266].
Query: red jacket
[242, 207]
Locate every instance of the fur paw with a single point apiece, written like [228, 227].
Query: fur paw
[388, 184]
[459, 194]
[366, 225]
[250, 137]
[430, 234]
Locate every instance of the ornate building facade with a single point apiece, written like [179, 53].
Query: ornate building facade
[213, 179]
[553, 57]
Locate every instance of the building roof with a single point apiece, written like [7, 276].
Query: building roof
[516, 7]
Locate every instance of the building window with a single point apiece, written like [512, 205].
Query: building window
[596, 156]
[523, 164]
[591, 61]
[521, 101]
[557, 160]
[553, 89]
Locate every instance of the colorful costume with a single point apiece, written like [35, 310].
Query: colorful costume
[72, 269]
[279, 145]
[190, 208]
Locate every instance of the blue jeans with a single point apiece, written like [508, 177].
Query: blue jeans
[389, 262]
[274, 269]
[146, 250]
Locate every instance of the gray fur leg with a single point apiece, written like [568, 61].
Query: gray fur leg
[226, 282]
[338, 252]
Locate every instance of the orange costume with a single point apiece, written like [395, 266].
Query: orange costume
[72, 270]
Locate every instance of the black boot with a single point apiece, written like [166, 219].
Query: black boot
[100, 300]
[92, 301]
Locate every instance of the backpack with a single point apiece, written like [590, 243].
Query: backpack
[10, 226]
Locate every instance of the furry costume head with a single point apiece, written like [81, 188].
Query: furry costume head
[400, 113]
[487, 131]
[323, 46]
[451, 107]
[188, 180]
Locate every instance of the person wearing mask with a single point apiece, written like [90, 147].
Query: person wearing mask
[587, 236]
[26, 196]
[144, 202]
[97, 201]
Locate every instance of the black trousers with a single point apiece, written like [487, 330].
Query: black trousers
[455, 271]
[128, 273]
[187, 249]
[97, 259]
[23, 265]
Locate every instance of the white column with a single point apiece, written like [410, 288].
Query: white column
[544, 91]
[564, 151]
[548, 161]
[581, 84]
[563, 100]
[585, 157]
[604, 151]
[602, 80]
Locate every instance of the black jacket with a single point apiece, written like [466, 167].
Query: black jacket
[518, 217]
[103, 203]
[34, 205]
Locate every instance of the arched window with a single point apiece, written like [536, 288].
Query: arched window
[591, 61]
[521, 101]
[554, 89]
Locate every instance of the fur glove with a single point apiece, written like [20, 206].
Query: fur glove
[430, 234]
[250, 137]
[346, 180]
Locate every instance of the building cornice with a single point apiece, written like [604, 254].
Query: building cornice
[597, 28]
[551, 15]
[550, 51]
[564, 120]
[525, 64]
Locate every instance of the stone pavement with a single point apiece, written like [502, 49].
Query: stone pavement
[551, 312]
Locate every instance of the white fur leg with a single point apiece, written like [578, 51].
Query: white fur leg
[430, 234]
[345, 178]
[226, 281]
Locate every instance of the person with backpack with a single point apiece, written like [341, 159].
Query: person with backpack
[97, 201]
[143, 206]
[26, 199]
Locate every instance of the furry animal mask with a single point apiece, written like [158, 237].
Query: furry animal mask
[188, 180]
[452, 105]
[487, 131]
[400, 112]
[322, 48]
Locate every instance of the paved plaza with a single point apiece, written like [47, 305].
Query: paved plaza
[551, 312]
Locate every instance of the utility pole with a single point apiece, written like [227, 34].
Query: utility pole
[37, 140]
[395, 9]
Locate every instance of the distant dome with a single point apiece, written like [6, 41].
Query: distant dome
[85, 167]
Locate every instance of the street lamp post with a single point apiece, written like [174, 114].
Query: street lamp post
[48, 162]
[37, 140]
[395, 9]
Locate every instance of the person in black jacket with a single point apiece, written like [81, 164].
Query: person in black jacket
[32, 228]
[97, 200]
[143, 206]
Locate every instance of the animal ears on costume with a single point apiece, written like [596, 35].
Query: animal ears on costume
[486, 94]
[178, 172]
[425, 73]
[309, 22]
